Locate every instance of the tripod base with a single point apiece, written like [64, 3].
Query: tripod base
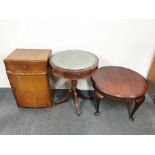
[74, 93]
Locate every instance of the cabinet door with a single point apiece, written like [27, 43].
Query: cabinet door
[31, 90]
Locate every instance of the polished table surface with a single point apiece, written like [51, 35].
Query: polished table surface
[120, 82]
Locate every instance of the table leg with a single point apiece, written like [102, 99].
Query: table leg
[83, 96]
[98, 98]
[74, 90]
[69, 94]
[138, 103]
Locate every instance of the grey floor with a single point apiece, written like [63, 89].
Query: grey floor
[62, 119]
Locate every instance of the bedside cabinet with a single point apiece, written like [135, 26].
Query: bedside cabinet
[27, 71]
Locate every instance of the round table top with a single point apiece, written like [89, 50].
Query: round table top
[120, 82]
[74, 60]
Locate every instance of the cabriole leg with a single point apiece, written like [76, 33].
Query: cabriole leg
[138, 103]
[98, 98]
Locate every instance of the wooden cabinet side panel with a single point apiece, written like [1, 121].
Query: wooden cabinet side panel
[14, 85]
[31, 91]
[152, 72]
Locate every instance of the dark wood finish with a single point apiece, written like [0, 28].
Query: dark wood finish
[27, 71]
[98, 98]
[138, 102]
[74, 92]
[119, 84]
[152, 71]
[74, 76]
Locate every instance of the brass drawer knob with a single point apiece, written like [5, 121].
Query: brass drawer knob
[25, 67]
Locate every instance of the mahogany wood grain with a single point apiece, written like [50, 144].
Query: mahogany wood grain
[121, 84]
[73, 75]
[27, 71]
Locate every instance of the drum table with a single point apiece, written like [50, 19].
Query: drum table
[74, 65]
[121, 84]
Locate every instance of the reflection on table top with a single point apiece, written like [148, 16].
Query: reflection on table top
[74, 60]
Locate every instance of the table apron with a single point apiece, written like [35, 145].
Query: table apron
[73, 75]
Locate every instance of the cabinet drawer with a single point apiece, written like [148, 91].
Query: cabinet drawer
[27, 67]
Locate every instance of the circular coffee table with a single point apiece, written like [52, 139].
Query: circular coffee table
[73, 65]
[120, 84]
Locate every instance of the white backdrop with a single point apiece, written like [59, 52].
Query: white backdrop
[128, 43]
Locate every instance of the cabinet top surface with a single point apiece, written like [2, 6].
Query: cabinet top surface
[29, 55]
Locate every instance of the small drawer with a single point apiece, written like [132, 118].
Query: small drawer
[27, 67]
